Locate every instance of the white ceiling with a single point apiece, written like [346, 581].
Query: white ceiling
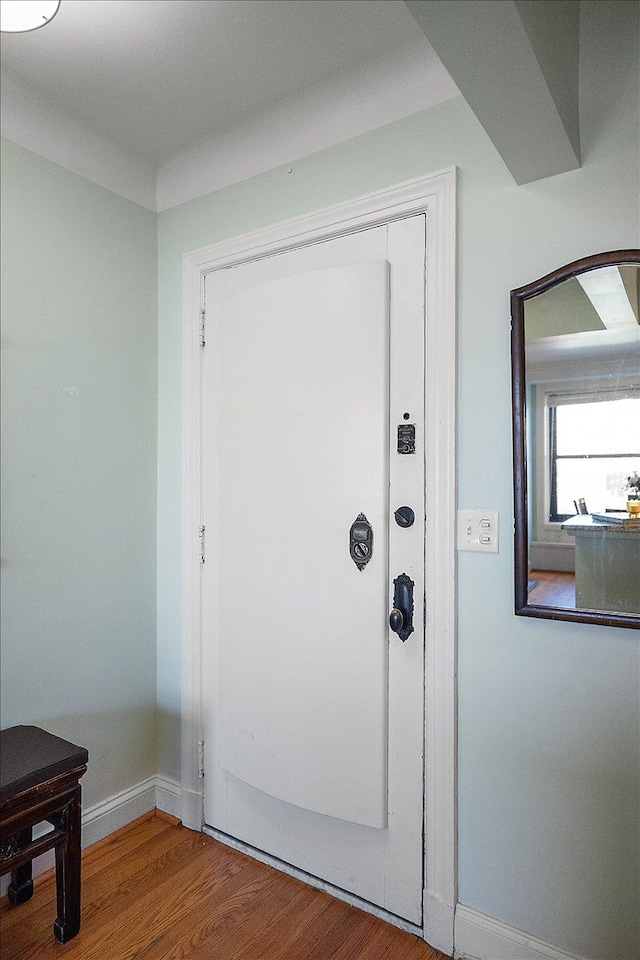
[166, 81]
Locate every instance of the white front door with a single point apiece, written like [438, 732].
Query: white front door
[313, 437]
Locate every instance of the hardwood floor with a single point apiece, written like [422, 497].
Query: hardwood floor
[552, 588]
[156, 890]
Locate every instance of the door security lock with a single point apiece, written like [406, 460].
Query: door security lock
[361, 541]
[406, 438]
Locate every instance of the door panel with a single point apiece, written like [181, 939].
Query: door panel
[313, 712]
[303, 379]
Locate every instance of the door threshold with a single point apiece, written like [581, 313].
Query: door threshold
[313, 881]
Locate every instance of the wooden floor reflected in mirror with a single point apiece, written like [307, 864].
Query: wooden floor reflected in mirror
[552, 588]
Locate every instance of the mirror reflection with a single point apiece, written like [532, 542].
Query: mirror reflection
[579, 475]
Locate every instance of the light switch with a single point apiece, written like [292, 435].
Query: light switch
[478, 530]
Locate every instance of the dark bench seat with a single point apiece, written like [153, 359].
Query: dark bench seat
[39, 782]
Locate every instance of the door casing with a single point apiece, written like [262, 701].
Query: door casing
[435, 196]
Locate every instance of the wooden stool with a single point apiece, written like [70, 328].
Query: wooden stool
[39, 776]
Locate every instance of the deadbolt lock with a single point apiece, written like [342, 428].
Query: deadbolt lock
[404, 516]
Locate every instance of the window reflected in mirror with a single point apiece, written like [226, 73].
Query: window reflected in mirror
[576, 393]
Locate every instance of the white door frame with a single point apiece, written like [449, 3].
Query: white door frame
[434, 196]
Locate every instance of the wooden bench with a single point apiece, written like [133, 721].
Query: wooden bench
[39, 782]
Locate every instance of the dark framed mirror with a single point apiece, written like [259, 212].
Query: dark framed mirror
[575, 353]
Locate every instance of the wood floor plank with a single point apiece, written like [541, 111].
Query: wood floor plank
[357, 944]
[339, 933]
[380, 940]
[103, 890]
[405, 946]
[114, 894]
[233, 929]
[301, 940]
[164, 902]
[155, 891]
[134, 846]
[178, 933]
[552, 588]
[161, 815]
[220, 924]
[422, 951]
[272, 937]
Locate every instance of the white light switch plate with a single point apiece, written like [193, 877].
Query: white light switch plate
[478, 530]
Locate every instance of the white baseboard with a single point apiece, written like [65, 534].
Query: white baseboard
[545, 555]
[438, 923]
[479, 937]
[169, 796]
[104, 818]
[191, 812]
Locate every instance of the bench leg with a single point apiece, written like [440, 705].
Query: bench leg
[21, 886]
[67, 923]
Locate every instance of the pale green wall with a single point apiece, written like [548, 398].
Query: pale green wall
[79, 307]
[549, 713]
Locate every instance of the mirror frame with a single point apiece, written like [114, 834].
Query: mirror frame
[519, 297]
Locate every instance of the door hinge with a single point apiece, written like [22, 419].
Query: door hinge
[202, 327]
[201, 532]
[201, 758]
